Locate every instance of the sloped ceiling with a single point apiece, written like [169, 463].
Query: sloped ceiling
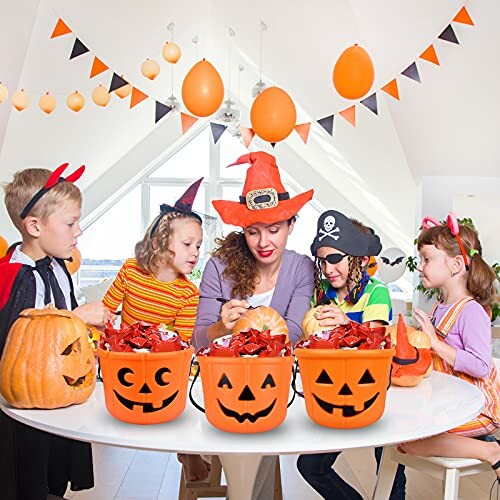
[440, 127]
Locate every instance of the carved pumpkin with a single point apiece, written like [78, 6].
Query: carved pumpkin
[245, 395]
[344, 388]
[262, 318]
[310, 323]
[145, 388]
[417, 338]
[47, 361]
[410, 364]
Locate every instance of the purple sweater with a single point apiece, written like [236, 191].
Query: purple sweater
[291, 297]
[471, 337]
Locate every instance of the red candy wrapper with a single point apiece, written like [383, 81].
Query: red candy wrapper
[141, 335]
[249, 343]
[352, 335]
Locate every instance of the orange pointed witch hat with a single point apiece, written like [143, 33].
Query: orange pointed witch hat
[264, 198]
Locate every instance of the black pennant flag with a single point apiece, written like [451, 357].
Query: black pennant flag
[371, 103]
[117, 82]
[448, 35]
[412, 72]
[273, 144]
[327, 123]
[78, 49]
[217, 131]
[161, 111]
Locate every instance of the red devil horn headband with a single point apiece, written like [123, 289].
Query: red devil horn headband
[453, 226]
[54, 179]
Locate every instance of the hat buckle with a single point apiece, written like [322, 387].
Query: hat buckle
[258, 199]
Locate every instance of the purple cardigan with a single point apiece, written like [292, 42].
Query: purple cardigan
[291, 297]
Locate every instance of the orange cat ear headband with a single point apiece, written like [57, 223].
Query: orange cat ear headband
[453, 226]
[54, 179]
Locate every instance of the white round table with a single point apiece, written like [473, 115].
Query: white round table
[437, 404]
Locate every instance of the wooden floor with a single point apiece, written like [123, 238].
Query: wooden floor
[126, 474]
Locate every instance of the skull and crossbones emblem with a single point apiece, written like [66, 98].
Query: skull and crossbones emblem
[329, 228]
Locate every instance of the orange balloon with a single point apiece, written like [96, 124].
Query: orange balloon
[202, 89]
[353, 74]
[150, 69]
[75, 101]
[47, 103]
[171, 52]
[372, 266]
[4, 245]
[273, 115]
[4, 93]
[74, 265]
[20, 99]
[101, 96]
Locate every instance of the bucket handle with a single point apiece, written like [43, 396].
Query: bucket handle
[197, 406]
[294, 378]
[193, 402]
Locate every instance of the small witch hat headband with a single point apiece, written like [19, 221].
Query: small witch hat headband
[453, 226]
[183, 205]
[54, 179]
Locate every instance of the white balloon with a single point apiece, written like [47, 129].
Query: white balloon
[391, 264]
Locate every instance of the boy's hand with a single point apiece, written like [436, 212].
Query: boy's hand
[95, 313]
[331, 315]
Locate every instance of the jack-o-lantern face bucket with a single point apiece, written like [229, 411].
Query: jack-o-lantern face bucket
[245, 395]
[145, 388]
[344, 388]
[47, 361]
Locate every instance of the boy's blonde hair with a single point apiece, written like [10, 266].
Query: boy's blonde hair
[154, 249]
[25, 184]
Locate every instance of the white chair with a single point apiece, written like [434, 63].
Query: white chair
[449, 470]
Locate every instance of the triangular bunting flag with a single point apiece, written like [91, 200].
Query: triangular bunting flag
[392, 89]
[78, 49]
[273, 144]
[411, 72]
[327, 123]
[350, 115]
[161, 110]
[463, 17]
[371, 103]
[61, 29]
[247, 134]
[97, 67]
[117, 82]
[136, 97]
[217, 131]
[187, 122]
[429, 54]
[303, 131]
[448, 35]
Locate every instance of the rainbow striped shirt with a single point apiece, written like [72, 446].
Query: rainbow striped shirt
[147, 299]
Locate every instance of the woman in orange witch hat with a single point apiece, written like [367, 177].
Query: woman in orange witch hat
[252, 267]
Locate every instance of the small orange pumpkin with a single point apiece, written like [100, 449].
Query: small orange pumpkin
[410, 364]
[47, 361]
[310, 323]
[262, 318]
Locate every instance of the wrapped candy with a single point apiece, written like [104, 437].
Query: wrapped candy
[141, 336]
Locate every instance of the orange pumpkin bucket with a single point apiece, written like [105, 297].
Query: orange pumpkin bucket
[345, 388]
[245, 395]
[145, 388]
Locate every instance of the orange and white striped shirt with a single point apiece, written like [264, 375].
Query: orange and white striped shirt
[144, 298]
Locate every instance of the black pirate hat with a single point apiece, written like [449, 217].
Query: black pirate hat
[338, 231]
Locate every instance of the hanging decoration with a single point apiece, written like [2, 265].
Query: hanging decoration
[20, 99]
[101, 96]
[47, 103]
[4, 93]
[98, 67]
[353, 74]
[74, 262]
[187, 122]
[260, 85]
[150, 69]
[75, 101]
[273, 115]
[303, 131]
[202, 89]
[171, 52]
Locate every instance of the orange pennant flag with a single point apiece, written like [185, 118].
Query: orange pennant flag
[429, 54]
[60, 29]
[187, 122]
[137, 97]
[97, 67]
[303, 131]
[247, 135]
[349, 114]
[463, 17]
[392, 89]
